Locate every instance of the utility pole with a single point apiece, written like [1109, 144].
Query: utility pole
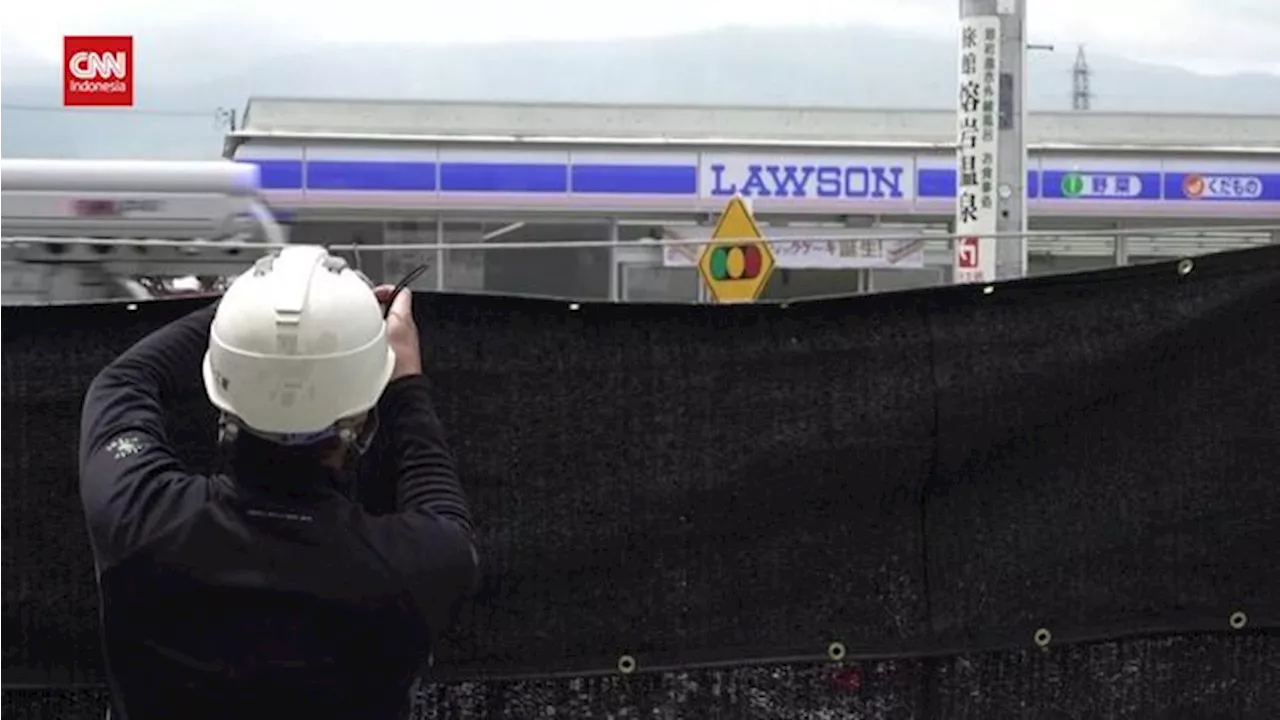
[1081, 96]
[991, 154]
[226, 118]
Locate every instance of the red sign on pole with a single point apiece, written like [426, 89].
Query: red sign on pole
[967, 253]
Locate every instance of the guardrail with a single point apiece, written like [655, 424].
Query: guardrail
[1031, 236]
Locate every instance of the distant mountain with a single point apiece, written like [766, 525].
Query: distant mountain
[849, 67]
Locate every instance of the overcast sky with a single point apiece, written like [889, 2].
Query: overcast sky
[1205, 35]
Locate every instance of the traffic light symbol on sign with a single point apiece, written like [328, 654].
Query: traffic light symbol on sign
[736, 262]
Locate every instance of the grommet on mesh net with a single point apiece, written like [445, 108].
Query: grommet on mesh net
[626, 664]
[1042, 637]
[1185, 266]
[988, 289]
[835, 651]
[1238, 620]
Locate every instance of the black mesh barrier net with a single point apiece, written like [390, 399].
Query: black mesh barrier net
[931, 482]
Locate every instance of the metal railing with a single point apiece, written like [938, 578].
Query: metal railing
[1032, 236]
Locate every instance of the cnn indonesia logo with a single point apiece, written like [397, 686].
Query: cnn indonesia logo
[97, 71]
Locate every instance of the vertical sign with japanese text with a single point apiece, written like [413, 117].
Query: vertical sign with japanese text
[977, 143]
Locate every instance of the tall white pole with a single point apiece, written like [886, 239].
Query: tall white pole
[991, 153]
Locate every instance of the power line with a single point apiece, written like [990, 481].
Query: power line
[221, 115]
[114, 111]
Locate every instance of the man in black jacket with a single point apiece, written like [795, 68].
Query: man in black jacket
[270, 592]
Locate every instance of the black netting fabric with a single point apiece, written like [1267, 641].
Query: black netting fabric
[1209, 677]
[930, 479]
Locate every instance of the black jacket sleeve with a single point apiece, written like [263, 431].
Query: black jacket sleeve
[429, 537]
[132, 484]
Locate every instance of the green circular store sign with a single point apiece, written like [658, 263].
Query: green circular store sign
[1072, 184]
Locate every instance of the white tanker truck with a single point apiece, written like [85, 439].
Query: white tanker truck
[65, 224]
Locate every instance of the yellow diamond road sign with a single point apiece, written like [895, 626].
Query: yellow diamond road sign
[734, 268]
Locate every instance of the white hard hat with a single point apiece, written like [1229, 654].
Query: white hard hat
[297, 344]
